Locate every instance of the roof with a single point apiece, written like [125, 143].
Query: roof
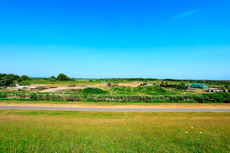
[198, 85]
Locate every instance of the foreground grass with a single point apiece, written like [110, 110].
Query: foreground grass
[67, 131]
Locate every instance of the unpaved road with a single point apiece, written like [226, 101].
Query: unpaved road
[60, 88]
[113, 109]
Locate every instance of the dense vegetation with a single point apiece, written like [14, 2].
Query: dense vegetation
[199, 98]
[7, 80]
[152, 90]
[62, 77]
[10, 79]
[90, 90]
[154, 93]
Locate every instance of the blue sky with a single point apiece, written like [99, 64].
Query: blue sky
[180, 39]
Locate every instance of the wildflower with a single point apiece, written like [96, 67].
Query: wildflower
[200, 132]
[186, 131]
[192, 127]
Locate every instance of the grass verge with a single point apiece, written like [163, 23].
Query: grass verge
[68, 131]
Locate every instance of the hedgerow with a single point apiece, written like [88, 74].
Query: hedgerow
[199, 98]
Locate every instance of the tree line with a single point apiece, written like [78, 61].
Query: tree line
[9, 79]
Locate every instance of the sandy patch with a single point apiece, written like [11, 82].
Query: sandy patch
[60, 88]
[133, 84]
[99, 85]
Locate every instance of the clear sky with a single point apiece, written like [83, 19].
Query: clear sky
[179, 39]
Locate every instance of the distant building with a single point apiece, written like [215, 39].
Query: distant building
[198, 85]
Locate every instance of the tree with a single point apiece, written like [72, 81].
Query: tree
[63, 77]
[91, 80]
[8, 79]
[6, 82]
[24, 77]
[53, 77]
[12, 76]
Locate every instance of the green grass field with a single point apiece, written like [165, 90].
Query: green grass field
[67, 131]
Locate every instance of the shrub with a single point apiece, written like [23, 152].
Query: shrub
[161, 90]
[133, 101]
[139, 89]
[90, 90]
[159, 101]
[24, 77]
[63, 77]
[91, 100]
[188, 101]
[53, 77]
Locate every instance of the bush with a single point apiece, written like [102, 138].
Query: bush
[63, 77]
[53, 77]
[133, 101]
[8, 79]
[188, 101]
[91, 100]
[160, 101]
[211, 102]
[90, 90]
[24, 77]
[139, 89]
[122, 88]
[161, 90]
[16, 99]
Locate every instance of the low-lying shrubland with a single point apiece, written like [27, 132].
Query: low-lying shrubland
[90, 90]
[200, 98]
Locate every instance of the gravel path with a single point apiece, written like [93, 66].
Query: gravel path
[113, 109]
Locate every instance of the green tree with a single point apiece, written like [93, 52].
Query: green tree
[13, 76]
[53, 77]
[63, 77]
[8, 79]
[24, 77]
[91, 80]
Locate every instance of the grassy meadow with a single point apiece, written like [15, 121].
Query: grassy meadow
[68, 131]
